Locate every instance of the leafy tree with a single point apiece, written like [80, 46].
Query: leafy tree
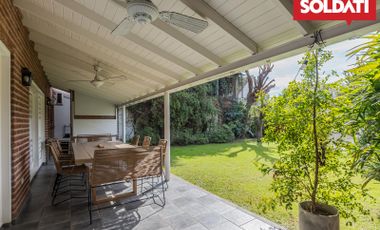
[193, 114]
[303, 121]
[361, 96]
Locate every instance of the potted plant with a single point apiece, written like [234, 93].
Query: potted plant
[312, 167]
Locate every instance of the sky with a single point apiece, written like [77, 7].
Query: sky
[285, 70]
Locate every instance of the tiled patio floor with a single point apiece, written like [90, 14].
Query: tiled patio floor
[187, 207]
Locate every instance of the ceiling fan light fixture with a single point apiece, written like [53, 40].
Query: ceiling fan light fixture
[142, 11]
[97, 84]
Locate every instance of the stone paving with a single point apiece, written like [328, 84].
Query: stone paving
[188, 207]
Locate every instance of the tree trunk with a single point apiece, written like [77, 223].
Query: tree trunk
[260, 127]
[317, 157]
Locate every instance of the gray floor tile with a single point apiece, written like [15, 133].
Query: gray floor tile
[31, 226]
[181, 221]
[238, 217]
[226, 226]
[211, 219]
[196, 227]
[257, 224]
[59, 226]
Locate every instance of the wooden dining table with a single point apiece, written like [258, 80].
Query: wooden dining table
[84, 152]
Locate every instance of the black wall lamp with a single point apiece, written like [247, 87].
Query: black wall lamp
[26, 77]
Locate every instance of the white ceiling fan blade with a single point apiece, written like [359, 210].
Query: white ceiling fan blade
[124, 27]
[192, 24]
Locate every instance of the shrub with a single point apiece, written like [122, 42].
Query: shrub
[221, 134]
[186, 137]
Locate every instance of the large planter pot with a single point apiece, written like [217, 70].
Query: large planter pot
[326, 217]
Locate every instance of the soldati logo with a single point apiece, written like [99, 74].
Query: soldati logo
[347, 10]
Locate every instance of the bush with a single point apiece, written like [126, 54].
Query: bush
[234, 117]
[221, 134]
[186, 137]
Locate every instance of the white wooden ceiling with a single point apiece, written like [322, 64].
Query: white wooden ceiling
[73, 35]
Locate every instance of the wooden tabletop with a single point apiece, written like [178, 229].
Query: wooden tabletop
[84, 152]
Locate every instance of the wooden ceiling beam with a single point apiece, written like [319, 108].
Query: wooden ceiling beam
[205, 10]
[286, 6]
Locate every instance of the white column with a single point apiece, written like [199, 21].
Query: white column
[124, 125]
[167, 133]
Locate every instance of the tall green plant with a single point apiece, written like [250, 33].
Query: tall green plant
[361, 95]
[303, 121]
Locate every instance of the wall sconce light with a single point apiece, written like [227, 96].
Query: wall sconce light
[26, 77]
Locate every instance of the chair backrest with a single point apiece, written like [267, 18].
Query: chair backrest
[163, 143]
[111, 165]
[146, 142]
[135, 140]
[55, 154]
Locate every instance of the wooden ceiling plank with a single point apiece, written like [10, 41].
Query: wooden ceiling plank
[176, 34]
[205, 10]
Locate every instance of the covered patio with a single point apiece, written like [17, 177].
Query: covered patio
[69, 45]
[188, 207]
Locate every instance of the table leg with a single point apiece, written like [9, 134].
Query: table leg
[134, 186]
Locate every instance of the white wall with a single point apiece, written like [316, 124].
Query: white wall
[61, 114]
[86, 105]
[5, 136]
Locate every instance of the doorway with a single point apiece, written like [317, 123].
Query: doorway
[36, 129]
[5, 135]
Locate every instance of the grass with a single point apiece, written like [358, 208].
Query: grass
[231, 171]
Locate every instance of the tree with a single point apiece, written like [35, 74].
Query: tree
[304, 121]
[258, 87]
[361, 96]
[258, 84]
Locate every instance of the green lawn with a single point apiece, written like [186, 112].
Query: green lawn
[230, 171]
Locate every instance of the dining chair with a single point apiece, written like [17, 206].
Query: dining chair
[66, 173]
[146, 142]
[163, 143]
[135, 140]
[112, 167]
[65, 158]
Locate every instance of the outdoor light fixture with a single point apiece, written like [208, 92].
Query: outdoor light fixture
[26, 77]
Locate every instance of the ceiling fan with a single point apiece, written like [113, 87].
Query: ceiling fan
[99, 80]
[144, 12]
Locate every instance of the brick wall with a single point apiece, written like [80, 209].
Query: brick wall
[15, 36]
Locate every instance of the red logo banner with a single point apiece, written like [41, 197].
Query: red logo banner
[347, 10]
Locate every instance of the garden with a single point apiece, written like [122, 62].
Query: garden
[315, 159]
[232, 171]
